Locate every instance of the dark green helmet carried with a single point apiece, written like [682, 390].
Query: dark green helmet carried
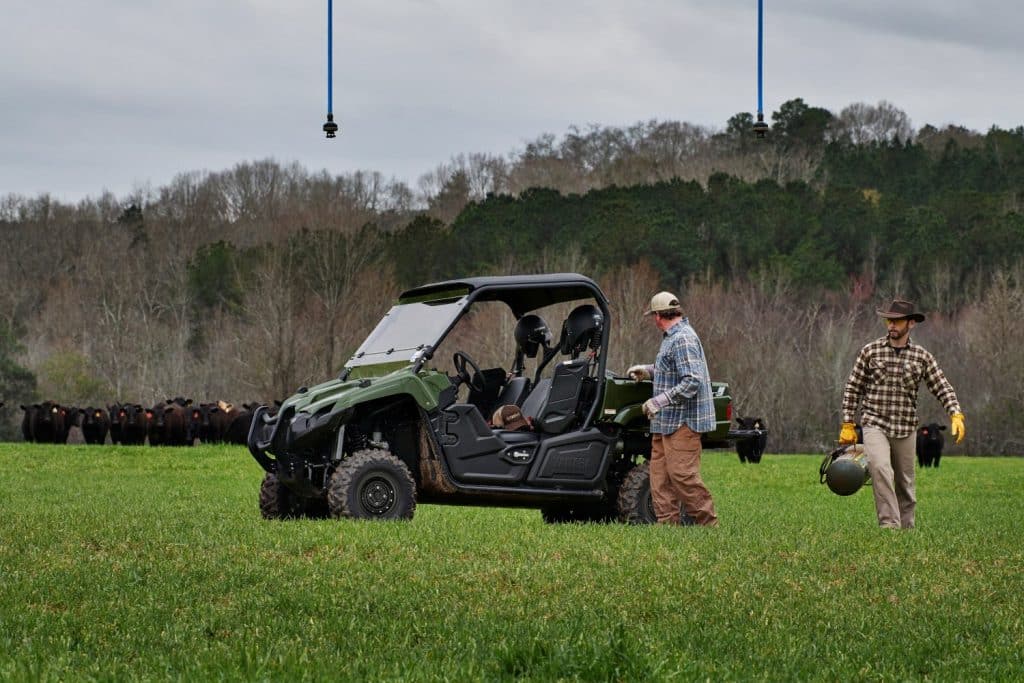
[845, 470]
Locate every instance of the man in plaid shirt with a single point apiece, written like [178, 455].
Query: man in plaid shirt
[884, 384]
[680, 410]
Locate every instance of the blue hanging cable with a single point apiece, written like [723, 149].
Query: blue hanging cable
[760, 128]
[331, 128]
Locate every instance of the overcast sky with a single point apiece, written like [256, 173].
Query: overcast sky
[123, 94]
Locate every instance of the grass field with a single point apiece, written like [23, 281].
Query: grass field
[154, 564]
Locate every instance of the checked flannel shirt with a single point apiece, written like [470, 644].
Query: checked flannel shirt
[884, 384]
[681, 372]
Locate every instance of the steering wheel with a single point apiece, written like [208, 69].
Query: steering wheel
[476, 380]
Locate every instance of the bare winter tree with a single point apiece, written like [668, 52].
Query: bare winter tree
[632, 338]
[992, 360]
[863, 124]
[336, 261]
[279, 341]
[482, 174]
[541, 165]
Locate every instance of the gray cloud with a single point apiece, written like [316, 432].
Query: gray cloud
[114, 94]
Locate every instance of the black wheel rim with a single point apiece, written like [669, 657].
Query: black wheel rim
[377, 495]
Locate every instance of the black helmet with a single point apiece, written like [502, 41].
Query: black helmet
[531, 333]
[845, 470]
[582, 329]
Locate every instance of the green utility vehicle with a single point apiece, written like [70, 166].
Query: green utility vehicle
[394, 430]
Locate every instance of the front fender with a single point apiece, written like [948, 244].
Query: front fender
[310, 417]
[423, 387]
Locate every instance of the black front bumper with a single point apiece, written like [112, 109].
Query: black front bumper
[300, 438]
[262, 433]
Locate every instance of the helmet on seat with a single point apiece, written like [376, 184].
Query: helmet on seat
[845, 470]
[532, 332]
[581, 329]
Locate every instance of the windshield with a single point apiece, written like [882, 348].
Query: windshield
[407, 329]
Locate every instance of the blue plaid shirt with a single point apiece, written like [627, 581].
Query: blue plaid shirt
[681, 371]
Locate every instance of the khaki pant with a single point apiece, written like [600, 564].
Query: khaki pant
[675, 478]
[891, 464]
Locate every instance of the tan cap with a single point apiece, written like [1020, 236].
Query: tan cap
[663, 301]
[509, 417]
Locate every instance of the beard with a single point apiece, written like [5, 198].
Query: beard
[896, 335]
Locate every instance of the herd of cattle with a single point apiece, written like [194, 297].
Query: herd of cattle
[177, 422]
[174, 422]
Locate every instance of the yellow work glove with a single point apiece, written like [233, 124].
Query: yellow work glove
[847, 434]
[956, 421]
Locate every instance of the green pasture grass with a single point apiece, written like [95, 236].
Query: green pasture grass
[139, 563]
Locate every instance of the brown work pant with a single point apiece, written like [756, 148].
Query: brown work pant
[675, 478]
[891, 465]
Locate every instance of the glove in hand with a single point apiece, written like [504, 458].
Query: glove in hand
[653, 406]
[638, 373]
[848, 434]
[956, 421]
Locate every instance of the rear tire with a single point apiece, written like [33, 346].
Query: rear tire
[372, 484]
[635, 503]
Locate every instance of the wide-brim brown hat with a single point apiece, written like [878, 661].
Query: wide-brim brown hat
[901, 309]
[663, 301]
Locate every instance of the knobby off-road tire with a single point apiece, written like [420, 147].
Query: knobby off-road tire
[635, 504]
[372, 484]
[278, 502]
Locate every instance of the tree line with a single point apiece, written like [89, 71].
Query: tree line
[255, 280]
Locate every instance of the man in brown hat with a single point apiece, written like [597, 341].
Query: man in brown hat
[680, 410]
[884, 384]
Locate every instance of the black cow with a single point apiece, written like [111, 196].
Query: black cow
[116, 416]
[169, 423]
[48, 425]
[135, 424]
[175, 422]
[155, 424]
[222, 419]
[28, 422]
[70, 420]
[238, 430]
[201, 421]
[751, 450]
[929, 444]
[94, 423]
